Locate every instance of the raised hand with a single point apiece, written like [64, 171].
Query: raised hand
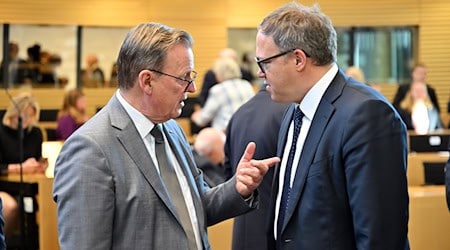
[250, 172]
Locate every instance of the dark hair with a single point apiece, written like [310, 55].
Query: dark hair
[34, 53]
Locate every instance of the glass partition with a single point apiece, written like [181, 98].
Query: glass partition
[99, 49]
[46, 55]
[49, 53]
[385, 54]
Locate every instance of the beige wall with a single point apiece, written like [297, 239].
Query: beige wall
[208, 21]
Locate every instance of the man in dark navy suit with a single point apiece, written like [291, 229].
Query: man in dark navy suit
[341, 183]
[258, 120]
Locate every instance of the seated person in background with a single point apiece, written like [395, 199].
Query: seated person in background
[25, 106]
[17, 69]
[418, 74]
[92, 76]
[210, 78]
[418, 112]
[208, 151]
[47, 69]
[34, 62]
[113, 78]
[72, 114]
[357, 73]
[224, 98]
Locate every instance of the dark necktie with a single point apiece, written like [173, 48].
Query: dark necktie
[170, 179]
[298, 116]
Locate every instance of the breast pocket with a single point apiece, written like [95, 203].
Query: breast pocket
[320, 167]
[319, 188]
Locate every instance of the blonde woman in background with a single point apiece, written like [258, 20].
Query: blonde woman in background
[72, 114]
[31, 161]
[417, 110]
[225, 97]
[358, 74]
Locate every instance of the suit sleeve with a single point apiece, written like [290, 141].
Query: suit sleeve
[375, 157]
[85, 217]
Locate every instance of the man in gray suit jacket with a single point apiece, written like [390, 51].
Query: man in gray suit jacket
[108, 187]
[341, 183]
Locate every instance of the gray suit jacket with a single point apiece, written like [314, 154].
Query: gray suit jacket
[110, 196]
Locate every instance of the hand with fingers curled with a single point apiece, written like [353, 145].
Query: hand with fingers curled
[250, 172]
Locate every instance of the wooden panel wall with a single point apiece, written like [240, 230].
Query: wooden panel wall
[434, 46]
[79, 12]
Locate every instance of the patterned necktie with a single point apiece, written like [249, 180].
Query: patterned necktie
[298, 116]
[170, 180]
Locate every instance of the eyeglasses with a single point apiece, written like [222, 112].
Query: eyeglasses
[264, 61]
[189, 78]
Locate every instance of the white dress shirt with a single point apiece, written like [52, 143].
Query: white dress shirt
[144, 126]
[308, 106]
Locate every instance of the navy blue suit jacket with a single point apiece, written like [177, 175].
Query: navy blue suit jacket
[258, 120]
[350, 188]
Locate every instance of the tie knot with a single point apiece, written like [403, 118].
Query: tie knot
[156, 132]
[298, 115]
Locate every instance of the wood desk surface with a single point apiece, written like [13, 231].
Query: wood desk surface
[46, 214]
[29, 178]
[415, 171]
[429, 218]
[426, 191]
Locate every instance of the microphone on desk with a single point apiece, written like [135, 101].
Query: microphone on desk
[21, 192]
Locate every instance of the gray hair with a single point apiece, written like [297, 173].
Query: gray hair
[227, 69]
[294, 26]
[145, 47]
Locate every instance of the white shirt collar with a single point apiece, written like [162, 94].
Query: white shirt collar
[141, 122]
[312, 99]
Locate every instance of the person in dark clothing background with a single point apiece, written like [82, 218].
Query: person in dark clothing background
[418, 74]
[249, 124]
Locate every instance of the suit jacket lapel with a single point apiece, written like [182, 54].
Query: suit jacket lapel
[132, 143]
[323, 114]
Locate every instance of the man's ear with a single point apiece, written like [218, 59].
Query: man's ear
[145, 81]
[300, 59]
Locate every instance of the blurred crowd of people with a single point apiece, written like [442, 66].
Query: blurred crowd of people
[38, 68]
